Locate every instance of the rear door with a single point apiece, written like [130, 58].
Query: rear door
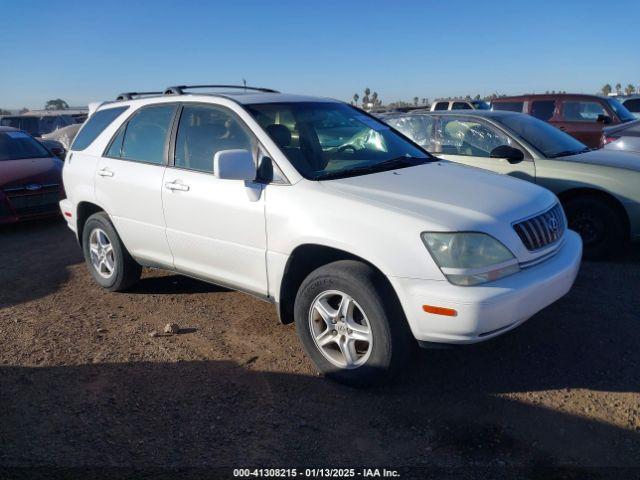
[470, 140]
[129, 182]
[215, 227]
[579, 118]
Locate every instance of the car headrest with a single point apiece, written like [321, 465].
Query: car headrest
[280, 134]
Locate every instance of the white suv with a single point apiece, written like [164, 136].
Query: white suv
[355, 233]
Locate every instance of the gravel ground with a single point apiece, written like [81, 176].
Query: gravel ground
[82, 384]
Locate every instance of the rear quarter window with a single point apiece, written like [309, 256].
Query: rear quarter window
[509, 106]
[94, 126]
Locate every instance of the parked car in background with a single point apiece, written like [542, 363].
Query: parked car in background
[625, 137]
[460, 105]
[359, 236]
[599, 189]
[30, 178]
[581, 116]
[632, 103]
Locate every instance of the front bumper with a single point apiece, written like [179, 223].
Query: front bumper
[488, 310]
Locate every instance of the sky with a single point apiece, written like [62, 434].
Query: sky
[83, 51]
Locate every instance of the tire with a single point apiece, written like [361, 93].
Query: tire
[112, 267]
[598, 223]
[373, 307]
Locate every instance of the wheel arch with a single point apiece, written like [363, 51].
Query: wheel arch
[606, 197]
[83, 212]
[303, 260]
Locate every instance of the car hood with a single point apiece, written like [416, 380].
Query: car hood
[14, 173]
[607, 158]
[450, 196]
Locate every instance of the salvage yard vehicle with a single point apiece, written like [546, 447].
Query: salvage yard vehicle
[581, 116]
[625, 137]
[30, 178]
[460, 104]
[598, 188]
[364, 240]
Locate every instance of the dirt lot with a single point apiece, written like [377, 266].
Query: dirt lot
[83, 384]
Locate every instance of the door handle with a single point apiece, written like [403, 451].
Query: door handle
[176, 186]
[105, 172]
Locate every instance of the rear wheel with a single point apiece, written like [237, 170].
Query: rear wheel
[351, 325]
[109, 262]
[598, 223]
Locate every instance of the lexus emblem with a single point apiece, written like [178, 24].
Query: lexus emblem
[552, 223]
[33, 187]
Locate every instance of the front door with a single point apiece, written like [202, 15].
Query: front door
[216, 228]
[579, 118]
[470, 140]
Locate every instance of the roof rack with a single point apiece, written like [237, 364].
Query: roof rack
[131, 95]
[179, 90]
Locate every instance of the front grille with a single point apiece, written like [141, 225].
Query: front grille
[542, 230]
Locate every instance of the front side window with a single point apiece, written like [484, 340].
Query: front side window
[326, 140]
[16, 145]
[509, 106]
[94, 126]
[461, 106]
[582, 111]
[143, 137]
[470, 137]
[543, 109]
[203, 131]
[418, 128]
[442, 106]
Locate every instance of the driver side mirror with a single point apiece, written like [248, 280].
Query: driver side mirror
[512, 155]
[604, 119]
[234, 165]
[55, 147]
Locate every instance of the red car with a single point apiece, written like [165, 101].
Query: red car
[30, 178]
[581, 116]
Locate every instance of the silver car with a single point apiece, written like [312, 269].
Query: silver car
[624, 137]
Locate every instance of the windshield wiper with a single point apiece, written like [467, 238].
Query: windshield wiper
[567, 153]
[398, 162]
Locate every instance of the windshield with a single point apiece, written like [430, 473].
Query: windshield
[546, 138]
[325, 140]
[481, 105]
[622, 112]
[18, 145]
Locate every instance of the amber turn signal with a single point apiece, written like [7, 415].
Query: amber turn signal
[449, 312]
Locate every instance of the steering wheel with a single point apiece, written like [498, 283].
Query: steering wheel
[346, 147]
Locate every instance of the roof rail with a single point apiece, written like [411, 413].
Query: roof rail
[131, 95]
[179, 90]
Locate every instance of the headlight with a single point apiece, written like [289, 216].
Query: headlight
[470, 258]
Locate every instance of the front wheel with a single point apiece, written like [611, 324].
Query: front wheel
[351, 325]
[109, 262]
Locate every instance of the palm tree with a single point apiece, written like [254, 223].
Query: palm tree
[618, 88]
[415, 101]
[356, 97]
[606, 90]
[374, 98]
[630, 90]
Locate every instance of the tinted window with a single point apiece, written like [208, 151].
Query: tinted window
[582, 111]
[442, 106]
[325, 140]
[94, 127]
[204, 131]
[510, 106]
[543, 136]
[461, 106]
[633, 105]
[543, 109]
[460, 136]
[19, 145]
[418, 128]
[146, 134]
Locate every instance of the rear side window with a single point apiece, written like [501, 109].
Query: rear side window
[633, 105]
[461, 106]
[543, 109]
[144, 136]
[510, 106]
[95, 126]
[442, 106]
